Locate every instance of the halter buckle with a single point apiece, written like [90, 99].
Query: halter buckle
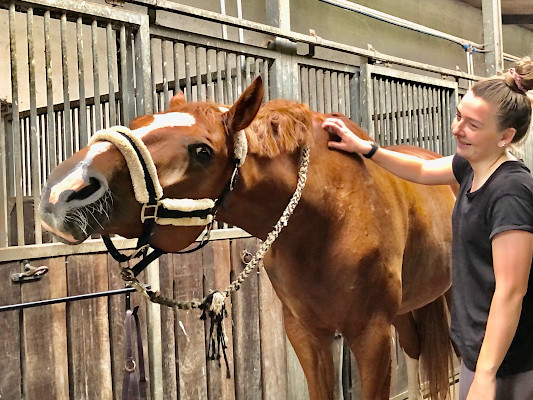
[145, 206]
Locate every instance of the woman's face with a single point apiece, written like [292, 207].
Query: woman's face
[475, 128]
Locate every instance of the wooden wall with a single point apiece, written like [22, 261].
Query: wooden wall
[75, 350]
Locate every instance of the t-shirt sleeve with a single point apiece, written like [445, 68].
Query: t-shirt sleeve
[460, 167]
[511, 212]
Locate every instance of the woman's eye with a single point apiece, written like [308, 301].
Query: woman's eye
[201, 152]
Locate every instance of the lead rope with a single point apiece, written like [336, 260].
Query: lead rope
[213, 304]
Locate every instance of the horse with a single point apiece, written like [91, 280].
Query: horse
[363, 250]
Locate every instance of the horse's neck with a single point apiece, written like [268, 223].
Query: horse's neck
[263, 190]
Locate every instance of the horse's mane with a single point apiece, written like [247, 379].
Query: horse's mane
[280, 126]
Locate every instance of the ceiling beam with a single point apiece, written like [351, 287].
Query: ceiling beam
[509, 19]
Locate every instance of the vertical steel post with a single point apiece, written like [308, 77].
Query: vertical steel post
[284, 76]
[492, 35]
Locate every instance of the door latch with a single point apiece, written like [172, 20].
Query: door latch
[30, 273]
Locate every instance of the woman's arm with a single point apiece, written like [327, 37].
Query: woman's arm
[512, 253]
[414, 169]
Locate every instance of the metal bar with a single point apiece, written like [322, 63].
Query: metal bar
[220, 86]
[416, 131]
[355, 101]
[67, 122]
[126, 69]
[34, 160]
[210, 92]
[188, 85]
[68, 299]
[304, 86]
[51, 131]
[399, 111]
[312, 88]
[367, 100]
[164, 60]
[320, 91]
[96, 77]
[199, 95]
[438, 120]
[15, 125]
[327, 91]
[143, 35]
[228, 83]
[84, 134]
[111, 58]
[266, 78]
[393, 112]
[377, 111]
[155, 103]
[347, 99]
[348, 5]
[139, 77]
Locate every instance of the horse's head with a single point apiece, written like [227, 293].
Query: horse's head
[100, 188]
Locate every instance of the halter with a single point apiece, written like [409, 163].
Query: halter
[149, 193]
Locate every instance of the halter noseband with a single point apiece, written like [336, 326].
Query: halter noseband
[149, 193]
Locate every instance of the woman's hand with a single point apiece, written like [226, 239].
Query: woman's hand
[349, 141]
[483, 387]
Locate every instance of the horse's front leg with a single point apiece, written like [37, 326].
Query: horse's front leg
[313, 348]
[372, 350]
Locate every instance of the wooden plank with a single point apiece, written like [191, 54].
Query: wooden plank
[88, 329]
[297, 383]
[117, 306]
[168, 340]
[10, 357]
[273, 353]
[247, 341]
[190, 334]
[45, 335]
[217, 269]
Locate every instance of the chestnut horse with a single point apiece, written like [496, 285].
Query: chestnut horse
[362, 250]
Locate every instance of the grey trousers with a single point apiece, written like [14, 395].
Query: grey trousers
[514, 387]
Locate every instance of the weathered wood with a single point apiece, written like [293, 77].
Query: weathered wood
[168, 342]
[273, 353]
[188, 285]
[247, 340]
[297, 383]
[88, 326]
[44, 335]
[10, 354]
[217, 268]
[117, 314]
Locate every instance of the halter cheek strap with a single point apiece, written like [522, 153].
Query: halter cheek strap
[148, 192]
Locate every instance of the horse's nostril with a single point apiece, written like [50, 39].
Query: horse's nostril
[85, 192]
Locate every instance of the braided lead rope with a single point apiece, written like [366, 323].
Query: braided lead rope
[282, 222]
[217, 297]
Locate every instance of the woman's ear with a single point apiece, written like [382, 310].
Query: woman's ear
[507, 137]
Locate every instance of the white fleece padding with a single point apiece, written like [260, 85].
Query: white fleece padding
[241, 147]
[193, 221]
[187, 205]
[134, 165]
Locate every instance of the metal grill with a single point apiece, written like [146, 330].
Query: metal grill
[69, 75]
[404, 108]
[331, 88]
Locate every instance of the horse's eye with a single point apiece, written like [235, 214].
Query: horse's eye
[201, 152]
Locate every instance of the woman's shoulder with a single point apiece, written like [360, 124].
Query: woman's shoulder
[514, 177]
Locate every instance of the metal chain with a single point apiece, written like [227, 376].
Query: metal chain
[155, 297]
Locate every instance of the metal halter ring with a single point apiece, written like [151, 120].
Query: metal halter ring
[144, 217]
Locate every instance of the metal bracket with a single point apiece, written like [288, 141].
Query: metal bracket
[30, 273]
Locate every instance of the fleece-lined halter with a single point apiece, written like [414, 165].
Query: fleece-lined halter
[149, 193]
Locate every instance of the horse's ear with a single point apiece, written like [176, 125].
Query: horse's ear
[243, 112]
[176, 100]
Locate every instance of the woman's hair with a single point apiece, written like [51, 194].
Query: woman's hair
[508, 94]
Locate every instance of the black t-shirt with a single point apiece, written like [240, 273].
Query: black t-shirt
[503, 203]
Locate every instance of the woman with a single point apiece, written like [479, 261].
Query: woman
[492, 306]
